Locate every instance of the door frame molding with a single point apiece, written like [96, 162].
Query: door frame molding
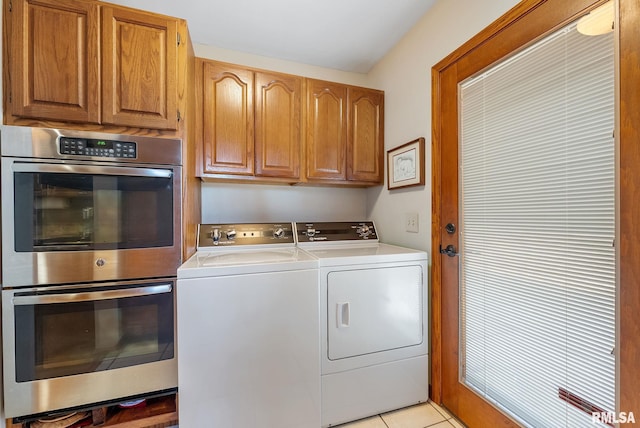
[521, 26]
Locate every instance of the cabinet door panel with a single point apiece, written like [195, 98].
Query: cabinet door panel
[326, 130]
[365, 148]
[139, 69]
[227, 119]
[278, 116]
[54, 72]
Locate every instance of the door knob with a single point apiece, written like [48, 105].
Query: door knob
[450, 251]
[450, 228]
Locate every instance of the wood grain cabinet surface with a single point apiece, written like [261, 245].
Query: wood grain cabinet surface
[326, 128]
[139, 69]
[365, 146]
[345, 133]
[53, 59]
[225, 125]
[275, 127]
[250, 122]
[278, 117]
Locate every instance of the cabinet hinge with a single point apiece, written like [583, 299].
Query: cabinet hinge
[179, 39]
[179, 116]
[10, 6]
[10, 98]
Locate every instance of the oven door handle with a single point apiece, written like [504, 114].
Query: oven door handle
[91, 169]
[44, 299]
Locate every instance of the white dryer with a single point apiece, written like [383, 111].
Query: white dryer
[373, 320]
[248, 330]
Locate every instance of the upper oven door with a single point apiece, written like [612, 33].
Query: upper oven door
[65, 222]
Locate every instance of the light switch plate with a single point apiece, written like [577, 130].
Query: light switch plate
[411, 222]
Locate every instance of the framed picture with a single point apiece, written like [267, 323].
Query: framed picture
[405, 165]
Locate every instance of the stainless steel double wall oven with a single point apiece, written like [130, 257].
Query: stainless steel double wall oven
[91, 241]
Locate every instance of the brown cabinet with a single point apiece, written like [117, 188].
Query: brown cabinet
[53, 59]
[365, 146]
[250, 122]
[326, 130]
[139, 69]
[54, 74]
[345, 134]
[278, 116]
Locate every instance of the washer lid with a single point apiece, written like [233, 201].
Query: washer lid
[243, 262]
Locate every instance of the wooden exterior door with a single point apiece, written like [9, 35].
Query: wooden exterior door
[525, 23]
[54, 60]
[365, 157]
[278, 116]
[225, 100]
[326, 139]
[139, 69]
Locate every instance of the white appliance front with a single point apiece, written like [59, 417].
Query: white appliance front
[249, 340]
[372, 309]
[374, 330]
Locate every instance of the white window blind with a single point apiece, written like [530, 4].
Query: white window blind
[537, 230]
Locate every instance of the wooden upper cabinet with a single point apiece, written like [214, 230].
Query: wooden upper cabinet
[365, 157]
[225, 99]
[345, 133]
[267, 126]
[53, 60]
[139, 69]
[326, 130]
[278, 116]
[90, 62]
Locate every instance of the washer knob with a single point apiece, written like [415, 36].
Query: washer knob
[278, 233]
[231, 234]
[215, 235]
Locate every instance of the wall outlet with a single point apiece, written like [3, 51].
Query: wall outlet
[411, 222]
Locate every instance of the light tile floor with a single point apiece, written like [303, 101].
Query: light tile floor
[419, 416]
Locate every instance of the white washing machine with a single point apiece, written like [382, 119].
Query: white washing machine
[248, 330]
[373, 320]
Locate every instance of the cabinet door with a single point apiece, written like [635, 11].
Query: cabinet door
[227, 119]
[54, 60]
[139, 60]
[326, 140]
[278, 115]
[365, 161]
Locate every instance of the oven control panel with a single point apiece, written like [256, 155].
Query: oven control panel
[97, 148]
[240, 234]
[336, 231]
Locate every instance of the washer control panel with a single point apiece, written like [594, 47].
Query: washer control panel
[239, 234]
[336, 231]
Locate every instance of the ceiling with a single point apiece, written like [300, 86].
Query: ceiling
[349, 35]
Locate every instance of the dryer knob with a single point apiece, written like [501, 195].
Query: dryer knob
[231, 234]
[311, 232]
[364, 231]
[278, 233]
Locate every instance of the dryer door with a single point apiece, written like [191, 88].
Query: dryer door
[373, 310]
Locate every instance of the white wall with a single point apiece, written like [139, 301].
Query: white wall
[248, 203]
[405, 76]
[282, 66]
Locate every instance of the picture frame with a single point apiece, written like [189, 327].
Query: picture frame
[405, 165]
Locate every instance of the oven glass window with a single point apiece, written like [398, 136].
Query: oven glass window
[62, 339]
[71, 211]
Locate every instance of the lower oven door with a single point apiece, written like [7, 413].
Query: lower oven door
[76, 345]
